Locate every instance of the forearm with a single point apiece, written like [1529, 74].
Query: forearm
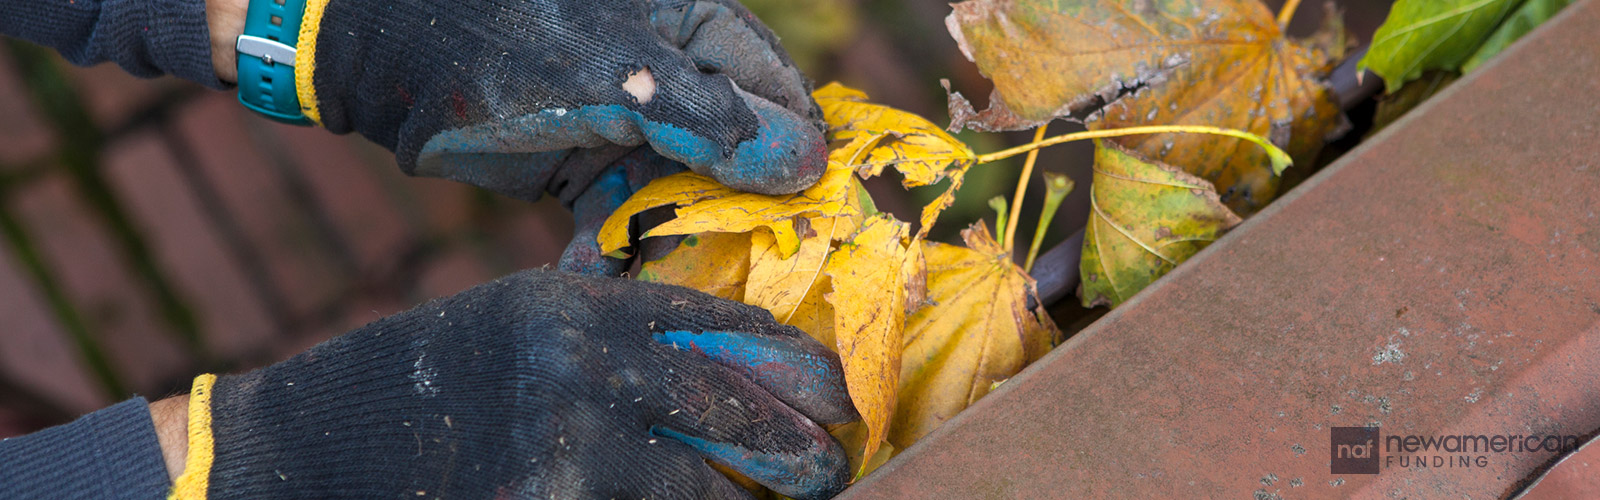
[171, 419]
[226, 20]
[146, 38]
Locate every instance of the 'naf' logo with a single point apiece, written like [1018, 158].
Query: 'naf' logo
[1354, 450]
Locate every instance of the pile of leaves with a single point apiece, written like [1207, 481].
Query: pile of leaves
[1196, 107]
[923, 328]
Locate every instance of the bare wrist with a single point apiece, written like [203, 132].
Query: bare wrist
[226, 20]
[171, 417]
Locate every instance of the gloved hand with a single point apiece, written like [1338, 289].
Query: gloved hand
[528, 96]
[539, 385]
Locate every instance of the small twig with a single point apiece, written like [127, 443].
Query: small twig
[1287, 13]
[1022, 187]
[1280, 159]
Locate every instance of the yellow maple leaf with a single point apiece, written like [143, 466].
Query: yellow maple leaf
[780, 283]
[704, 205]
[715, 263]
[976, 330]
[868, 300]
[879, 136]
[876, 136]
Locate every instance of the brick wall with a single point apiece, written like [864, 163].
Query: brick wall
[153, 229]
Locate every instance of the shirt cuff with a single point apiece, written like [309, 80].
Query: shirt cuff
[111, 453]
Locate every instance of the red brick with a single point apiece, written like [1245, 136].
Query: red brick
[298, 260]
[446, 205]
[11, 424]
[432, 206]
[459, 269]
[93, 272]
[24, 135]
[112, 95]
[536, 235]
[187, 246]
[34, 351]
[359, 312]
[349, 188]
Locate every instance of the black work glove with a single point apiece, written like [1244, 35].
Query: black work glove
[527, 96]
[539, 385]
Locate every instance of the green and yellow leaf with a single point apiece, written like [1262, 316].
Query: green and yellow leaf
[1145, 218]
[1530, 15]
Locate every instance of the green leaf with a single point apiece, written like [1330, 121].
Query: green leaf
[1420, 35]
[1530, 15]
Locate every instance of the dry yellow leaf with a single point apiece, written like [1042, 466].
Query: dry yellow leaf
[930, 213]
[879, 136]
[1221, 63]
[853, 438]
[715, 263]
[876, 136]
[914, 273]
[977, 330]
[868, 302]
[706, 206]
[814, 315]
[780, 283]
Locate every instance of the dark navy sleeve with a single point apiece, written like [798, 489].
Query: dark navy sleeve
[111, 453]
[147, 38]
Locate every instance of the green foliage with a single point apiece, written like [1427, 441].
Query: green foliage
[810, 29]
[1422, 35]
[1530, 15]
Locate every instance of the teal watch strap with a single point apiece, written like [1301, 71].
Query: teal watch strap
[266, 59]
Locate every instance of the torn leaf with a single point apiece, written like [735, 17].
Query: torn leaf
[706, 206]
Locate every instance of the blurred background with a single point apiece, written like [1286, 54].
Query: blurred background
[151, 230]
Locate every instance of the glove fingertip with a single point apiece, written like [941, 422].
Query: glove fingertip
[797, 370]
[785, 154]
[819, 472]
[788, 153]
[590, 211]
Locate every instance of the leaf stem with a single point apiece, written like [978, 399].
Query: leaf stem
[998, 204]
[1280, 159]
[1022, 187]
[1287, 13]
[1056, 187]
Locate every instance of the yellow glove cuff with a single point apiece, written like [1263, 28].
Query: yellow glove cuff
[196, 478]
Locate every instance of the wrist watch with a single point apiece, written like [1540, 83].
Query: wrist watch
[266, 60]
